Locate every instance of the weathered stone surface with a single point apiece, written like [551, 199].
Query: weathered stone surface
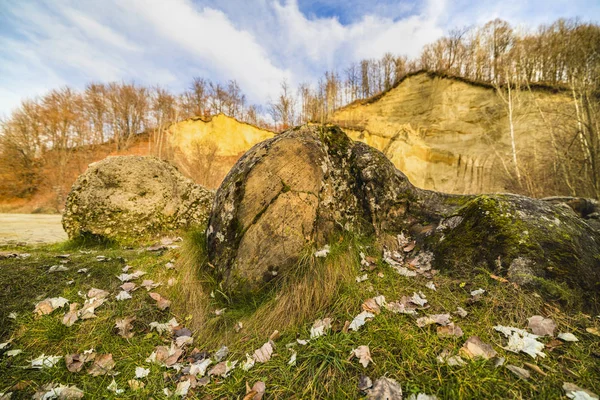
[449, 135]
[311, 182]
[131, 198]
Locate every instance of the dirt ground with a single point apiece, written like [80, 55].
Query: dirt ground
[31, 229]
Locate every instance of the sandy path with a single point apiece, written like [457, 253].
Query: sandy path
[31, 228]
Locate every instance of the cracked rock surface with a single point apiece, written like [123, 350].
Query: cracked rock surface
[312, 182]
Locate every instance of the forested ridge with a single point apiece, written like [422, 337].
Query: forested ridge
[42, 133]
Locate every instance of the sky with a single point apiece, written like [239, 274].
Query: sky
[47, 44]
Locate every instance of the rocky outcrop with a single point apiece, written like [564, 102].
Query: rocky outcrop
[304, 186]
[132, 198]
[205, 149]
[452, 135]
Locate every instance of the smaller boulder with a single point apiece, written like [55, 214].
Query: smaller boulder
[131, 198]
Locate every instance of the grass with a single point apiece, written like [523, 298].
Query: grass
[320, 288]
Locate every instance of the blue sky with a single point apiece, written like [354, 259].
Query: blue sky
[46, 44]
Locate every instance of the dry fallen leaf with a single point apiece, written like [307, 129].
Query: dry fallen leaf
[182, 388]
[164, 327]
[475, 348]
[135, 385]
[449, 330]
[320, 327]
[128, 286]
[554, 343]
[363, 354]
[161, 302]
[256, 392]
[370, 305]
[360, 320]
[520, 372]
[521, 340]
[541, 326]
[125, 328]
[222, 369]
[141, 372]
[440, 319]
[89, 307]
[593, 331]
[535, 368]
[75, 362]
[567, 337]
[123, 295]
[44, 361]
[385, 389]
[461, 312]
[364, 383]
[573, 391]
[221, 353]
[103, 364]
[263, 354]
[46, 306]
[97, 293]
[72, 315]
[149, 284]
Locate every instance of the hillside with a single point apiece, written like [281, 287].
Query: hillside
[202, 149]
[452, 135]
[206, 149]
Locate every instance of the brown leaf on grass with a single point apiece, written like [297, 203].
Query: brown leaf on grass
[165, 356]
[128, 286]
[409, 247]
[371, 306]
[89, 307]
[385, 389]
[71, 316]
[535, 368]
[46, 306]
[43, 308]
[149, 284]
[256, 392]
[363, 354]
[320, 328]
[97, 293]
[125, 328]
[449, 330]
[541, 326]
[593, 331]
[475, 348]
[520, 372]
[135, 384]
[222, 369]
[75, 362]
[440, 319]
[554, 343]
[161, 302]
[572, 391]
[103, 364]
[263, 354]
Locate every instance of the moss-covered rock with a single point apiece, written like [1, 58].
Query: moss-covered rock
[311, 182]
[129, 199]
[533, 242]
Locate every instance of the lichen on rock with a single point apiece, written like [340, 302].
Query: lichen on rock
[131, 198]
[308, 184]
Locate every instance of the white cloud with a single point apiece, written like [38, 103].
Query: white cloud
[210, 37]
[44, 44]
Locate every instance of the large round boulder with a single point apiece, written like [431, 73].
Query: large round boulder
[133, 198]
[300, 188]
[303, 187]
